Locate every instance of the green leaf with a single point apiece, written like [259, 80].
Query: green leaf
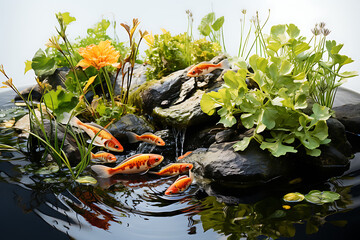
[300, 48]
[86, 180]
[277, 148]
[292, 30]
[60, 101]
[349, 74]
[209, 102]
[317, 197]
[269, 117]
[67, 18]
[243, 144]
[320, 112]
[27, 66]
[52, 168]
[43, 66]
[218, 23]
[286, 68]
[277, 30]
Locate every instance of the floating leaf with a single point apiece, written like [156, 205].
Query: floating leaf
[318, 197]
[86, 180]
[293, 197]
[52, 168]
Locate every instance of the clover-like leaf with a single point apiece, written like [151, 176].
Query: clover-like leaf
[243, 144]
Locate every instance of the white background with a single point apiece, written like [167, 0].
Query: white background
[26, 25]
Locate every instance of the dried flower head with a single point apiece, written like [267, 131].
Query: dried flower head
[98, 56]
[243, 11]
[53, 43]
[325, 31]
[315, 30]
[7, 83]
[321, 25]
[188, 12]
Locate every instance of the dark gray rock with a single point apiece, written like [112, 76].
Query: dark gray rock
[129, 123]
[338, 137]
[349, 116]
[138, 78]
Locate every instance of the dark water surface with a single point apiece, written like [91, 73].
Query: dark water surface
[134, 207]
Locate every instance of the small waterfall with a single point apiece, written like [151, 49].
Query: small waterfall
[179, 136]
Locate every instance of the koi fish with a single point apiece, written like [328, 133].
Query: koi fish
[146, 137]
[180, 185]
[174, 169]
[103, 139]
[184, 155]
[134, 164]
[104, 157]
[206, 67]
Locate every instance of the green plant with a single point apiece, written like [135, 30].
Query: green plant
[168, 53]
[212, 28]
[275, 107]
[321, 67]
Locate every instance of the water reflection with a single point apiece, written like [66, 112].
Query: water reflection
[135, 206]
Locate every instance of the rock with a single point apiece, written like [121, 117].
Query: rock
[34, 91]
[129, 123]
[222, 164]
[338, 138]
[349, 116]
[138, 78]
[185, 114]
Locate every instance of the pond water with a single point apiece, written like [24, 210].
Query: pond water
[36, 206]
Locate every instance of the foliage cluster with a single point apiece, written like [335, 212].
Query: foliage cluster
[169, 53]
[275, 107]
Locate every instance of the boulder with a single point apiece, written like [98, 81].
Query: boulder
[349, 116]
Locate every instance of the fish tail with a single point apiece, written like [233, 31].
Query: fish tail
[69, 119]
[92, 156]
[102, 171]
[224, 64]
[132, 137]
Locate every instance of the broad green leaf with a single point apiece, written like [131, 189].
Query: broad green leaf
[228, 120]
[336, 49]
[209, 102]
[27, 66]
[86, 180]
[60, 101]
[318, 197]
[269, 117]
[320, 112]
[261, 64]
[253, 61]
[286, 68]
[243, 144]
[277, 30]
[274, 46]
[292, 30]
[277, 148]
[218, 23]
[313, 152]
[329, 45]
[205, 30]
[341, 59]
[43, 66]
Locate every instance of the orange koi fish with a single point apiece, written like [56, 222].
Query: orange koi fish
[134, 164]
[103, 139]
[180, 185]
[174, 169]
[184, 155]
[205, 68]
[146, 137]
[103, 156]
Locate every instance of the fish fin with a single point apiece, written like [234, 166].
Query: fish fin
[152, 172]
[94, 143]
[147, 133]
[129, 158]
[102, 171]
[143, 173]
[69, 119]
[98, 152]
[98, 126]
[224, 64]
[181, 177]
[132, 137]
[96, 160]
[191, 175]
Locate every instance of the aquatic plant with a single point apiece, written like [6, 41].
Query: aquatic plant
[42, 137]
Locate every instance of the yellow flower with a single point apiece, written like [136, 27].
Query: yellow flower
[7, 83]
[149, 38]
[53, 43]
[99, 56]
[286, 207]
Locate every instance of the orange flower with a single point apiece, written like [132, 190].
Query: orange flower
[99, 56]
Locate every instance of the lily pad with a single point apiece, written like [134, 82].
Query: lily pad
[52, 168]
[318, 197]
[293, 197]
[86, 180]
